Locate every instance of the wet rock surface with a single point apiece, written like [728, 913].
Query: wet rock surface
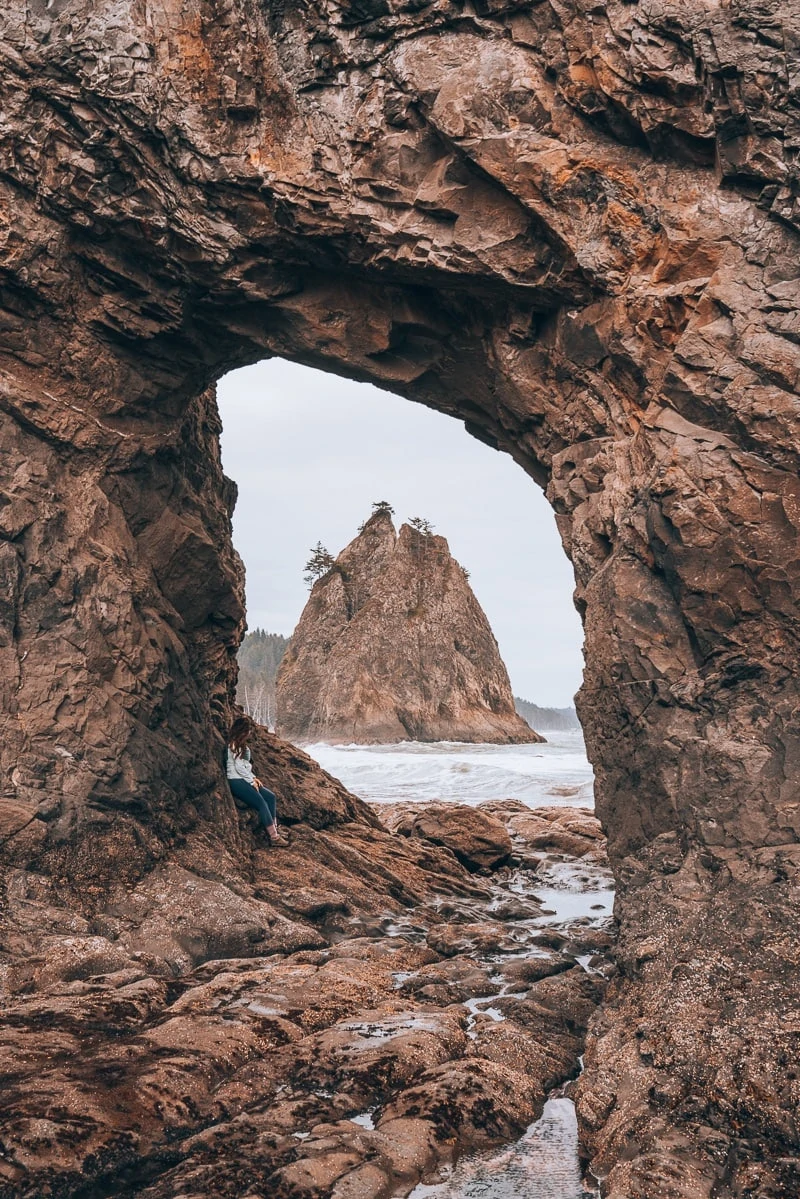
[478, 840]
[203, 1036]
[393, 646]
[573, 227]
[711, 1037]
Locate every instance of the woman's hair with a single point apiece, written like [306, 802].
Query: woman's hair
[240, 730]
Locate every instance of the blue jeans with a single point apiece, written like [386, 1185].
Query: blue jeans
[261, 799]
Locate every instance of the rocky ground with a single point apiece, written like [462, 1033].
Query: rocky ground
[360, 1007]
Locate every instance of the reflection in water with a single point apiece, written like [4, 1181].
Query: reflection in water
[543, 1164]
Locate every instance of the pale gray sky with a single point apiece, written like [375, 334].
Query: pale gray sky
[311, 452]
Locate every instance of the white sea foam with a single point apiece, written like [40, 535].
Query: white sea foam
[557, 772]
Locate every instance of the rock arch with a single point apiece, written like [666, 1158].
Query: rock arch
[574, 230]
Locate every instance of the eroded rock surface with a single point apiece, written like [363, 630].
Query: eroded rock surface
[283, 1024]
[575, 228]
[393, 646]
[478, 840]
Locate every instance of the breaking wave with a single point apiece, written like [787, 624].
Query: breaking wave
[539, 775]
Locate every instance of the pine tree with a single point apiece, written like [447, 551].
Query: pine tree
[421, 525]
[318, 564]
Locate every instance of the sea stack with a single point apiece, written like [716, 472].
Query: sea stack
[393, 646]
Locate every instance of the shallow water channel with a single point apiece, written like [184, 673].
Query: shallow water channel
[544, 1162]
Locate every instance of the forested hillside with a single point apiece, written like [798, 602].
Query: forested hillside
[260, 656]
[554, 719]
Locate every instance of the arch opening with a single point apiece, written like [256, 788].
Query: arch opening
[309, 453]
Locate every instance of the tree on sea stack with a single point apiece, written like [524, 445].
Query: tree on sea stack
[421, 525]
[318, 564]
[379, 508]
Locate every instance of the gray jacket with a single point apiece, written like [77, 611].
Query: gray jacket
[239, 767]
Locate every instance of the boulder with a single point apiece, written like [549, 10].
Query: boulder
[476, 1101]
[574, 832]
[478, 840]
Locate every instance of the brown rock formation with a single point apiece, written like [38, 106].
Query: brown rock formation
[575, 228]
[214, 1028]
[393, 646]
[478, 840]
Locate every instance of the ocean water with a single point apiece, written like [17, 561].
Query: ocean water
[557, 772]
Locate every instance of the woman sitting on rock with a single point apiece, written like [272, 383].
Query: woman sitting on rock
[243, 782]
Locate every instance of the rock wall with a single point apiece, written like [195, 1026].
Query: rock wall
[573, 227]
[393, 646]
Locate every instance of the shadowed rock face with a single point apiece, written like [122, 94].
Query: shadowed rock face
[576, 230]
[393, 646]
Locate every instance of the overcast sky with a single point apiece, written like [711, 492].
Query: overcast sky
[311, 452]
